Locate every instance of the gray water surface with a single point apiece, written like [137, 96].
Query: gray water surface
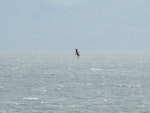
[61, 83]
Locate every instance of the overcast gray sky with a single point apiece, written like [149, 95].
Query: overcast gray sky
[111, 25]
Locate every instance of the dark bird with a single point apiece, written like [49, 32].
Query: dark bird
[77, 52]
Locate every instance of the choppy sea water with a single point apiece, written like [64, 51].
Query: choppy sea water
[62, 83]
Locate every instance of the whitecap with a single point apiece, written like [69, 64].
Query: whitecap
[105, 100]
[1, 87]
[44, 90]
[88, 84]
[134, 86]
[30, 98]
[96, 69]
[142, 106]
[60, 85]
[137, 85]
[43, 102]
[77, 83]
[14, 68]
[72, 106]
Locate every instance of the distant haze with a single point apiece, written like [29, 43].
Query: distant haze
[98, 25]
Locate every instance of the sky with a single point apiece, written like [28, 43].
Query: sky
[97, 25]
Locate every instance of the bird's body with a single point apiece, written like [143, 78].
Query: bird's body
[77, 52]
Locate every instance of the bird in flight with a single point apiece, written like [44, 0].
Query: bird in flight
[77, 52]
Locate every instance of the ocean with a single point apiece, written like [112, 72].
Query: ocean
[49, 82]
